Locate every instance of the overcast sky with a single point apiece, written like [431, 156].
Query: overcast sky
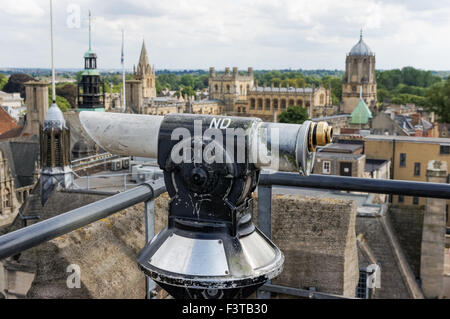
[265, 34]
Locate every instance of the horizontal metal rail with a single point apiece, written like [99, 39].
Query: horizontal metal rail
[300, 292]
[25, 238]
[363, 185]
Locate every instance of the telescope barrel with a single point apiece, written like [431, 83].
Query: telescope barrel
[124, 134]
[33, 235]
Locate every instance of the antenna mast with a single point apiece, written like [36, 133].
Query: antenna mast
[53, 65]
[123, 74]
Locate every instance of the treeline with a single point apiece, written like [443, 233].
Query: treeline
[408, 85]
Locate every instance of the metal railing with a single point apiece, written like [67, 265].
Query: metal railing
[365, 185]
[90, 178]
[27, 237]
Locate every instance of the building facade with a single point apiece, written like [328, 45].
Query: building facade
[359, 72]
[409, 157]
[268, 102]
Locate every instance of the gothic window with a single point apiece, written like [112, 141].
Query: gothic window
[260, 104]
[353, 88]
[228, 88]
[216, 88]
[252, 104]
[275, 104]
[239, 110]
[300, 102]
[7, 197]
[283, 103]
[291, 102]
[267, 104]
[35, 101]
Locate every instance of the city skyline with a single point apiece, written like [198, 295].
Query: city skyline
[262, 34]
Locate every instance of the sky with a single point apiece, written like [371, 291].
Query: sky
[197, 34]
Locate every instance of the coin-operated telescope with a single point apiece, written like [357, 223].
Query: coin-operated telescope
[210, 247]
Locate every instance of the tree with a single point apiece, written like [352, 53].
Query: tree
[294, 115]
[62, 103]
[438, 100]
[16, 83]
[3, 81]
[69, 92]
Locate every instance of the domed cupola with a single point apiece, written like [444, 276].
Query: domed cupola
[54, 118]
[361, 48]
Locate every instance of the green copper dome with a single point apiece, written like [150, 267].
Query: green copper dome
[90, 54]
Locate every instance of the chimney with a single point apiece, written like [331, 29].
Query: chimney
[212, 72]
[415, 119]
[227, 71]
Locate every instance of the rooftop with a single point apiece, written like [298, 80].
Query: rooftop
[342, 148]
[410, 139]
[278, 89]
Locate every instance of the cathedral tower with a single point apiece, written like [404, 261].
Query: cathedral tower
[91, 90]
[359, 72]
[146, 74]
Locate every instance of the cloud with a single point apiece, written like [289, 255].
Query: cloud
[260, 33]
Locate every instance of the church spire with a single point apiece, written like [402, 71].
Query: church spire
[144, 65]
[361, 34]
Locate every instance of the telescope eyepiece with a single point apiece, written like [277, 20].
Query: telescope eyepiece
[320, 134]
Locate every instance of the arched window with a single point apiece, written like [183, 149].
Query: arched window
[283, 103]
[260, 104]
[6, 197]
[267, 106]
[275, 104]
[228, 88]
[291, 102]
[300, 102]
[252, 104]
[216, 88]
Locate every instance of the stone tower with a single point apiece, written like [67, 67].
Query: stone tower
[37, 106]
[54, 153]
[359, 72]
[146, 74]
[230, 87]
[91, 90]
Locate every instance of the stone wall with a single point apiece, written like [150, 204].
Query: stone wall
[407, 222]
[106, 252]
[318, 239]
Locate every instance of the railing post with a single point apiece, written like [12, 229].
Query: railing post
[265, 222]
[150, 285]
[125, 182]
[265, 209]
